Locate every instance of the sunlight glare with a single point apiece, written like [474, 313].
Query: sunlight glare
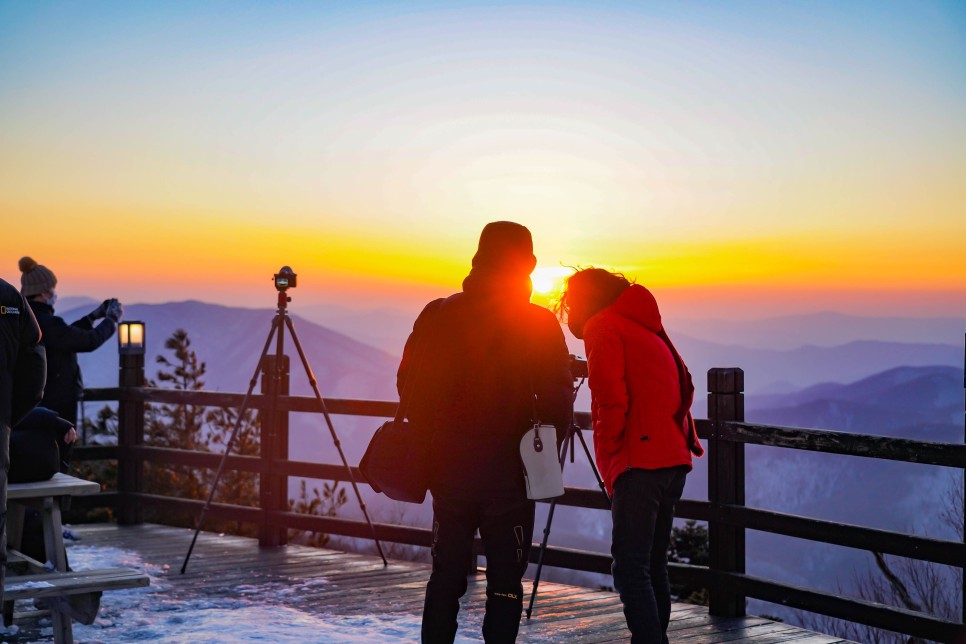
[549, 279]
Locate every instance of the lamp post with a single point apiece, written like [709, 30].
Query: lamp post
[130, 419]
[130, 338]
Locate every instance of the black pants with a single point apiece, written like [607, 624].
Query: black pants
[4, 469]
[506, 529]
[643, 511]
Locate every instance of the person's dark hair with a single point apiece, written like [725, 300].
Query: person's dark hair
[587, 292]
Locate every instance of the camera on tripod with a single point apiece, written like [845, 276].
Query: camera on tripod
[578, 367]
[285, 279]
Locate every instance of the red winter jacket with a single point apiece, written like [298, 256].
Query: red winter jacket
[635, 389]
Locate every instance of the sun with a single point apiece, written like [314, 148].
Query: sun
[548, 280]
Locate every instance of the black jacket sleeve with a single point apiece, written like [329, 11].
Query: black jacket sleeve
[79, 337]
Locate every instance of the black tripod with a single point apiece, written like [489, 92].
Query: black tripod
[283, 281]
[574, 431]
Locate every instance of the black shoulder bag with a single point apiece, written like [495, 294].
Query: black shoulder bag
[396, 461]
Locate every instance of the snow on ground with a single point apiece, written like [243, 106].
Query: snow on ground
[255, 613]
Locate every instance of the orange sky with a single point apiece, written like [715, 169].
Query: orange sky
[759, 161]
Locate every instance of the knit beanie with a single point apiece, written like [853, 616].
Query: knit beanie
[505, 245]
[34, 278]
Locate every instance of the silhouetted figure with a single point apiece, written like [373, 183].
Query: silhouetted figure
[479, 358]
[63, 341]
[644, 436]
[22, 374]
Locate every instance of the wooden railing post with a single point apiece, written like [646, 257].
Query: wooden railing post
[130, 434]
[273, 485]
[726, 485]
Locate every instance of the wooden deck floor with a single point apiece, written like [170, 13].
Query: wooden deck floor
[330, 586]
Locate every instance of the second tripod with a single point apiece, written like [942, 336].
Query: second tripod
[574, 432]
[284, 280]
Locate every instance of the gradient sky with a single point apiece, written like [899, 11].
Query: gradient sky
[741, 158]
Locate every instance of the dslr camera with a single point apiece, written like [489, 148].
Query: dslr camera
[285, 279]
[578, 367]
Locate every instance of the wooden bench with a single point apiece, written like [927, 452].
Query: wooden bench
[66, 594]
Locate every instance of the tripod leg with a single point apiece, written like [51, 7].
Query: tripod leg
[593, 466]
[546, 531]
[276, 324]
[335, 437]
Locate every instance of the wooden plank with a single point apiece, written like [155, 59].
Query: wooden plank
[616, 626]
[950, 553]
[860, 611]
[60, 485]
[71, 583]
[719, 632]
[335, 406]
[834, 442]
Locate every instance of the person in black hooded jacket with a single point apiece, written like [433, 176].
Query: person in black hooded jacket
[484, 361]
[22, 375]
[64, 341]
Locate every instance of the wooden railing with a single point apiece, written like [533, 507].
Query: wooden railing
[725, 512]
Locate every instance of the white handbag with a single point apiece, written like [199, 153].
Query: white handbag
[541, 464]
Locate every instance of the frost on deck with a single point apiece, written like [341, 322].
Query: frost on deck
[236, 592]
[250, 613]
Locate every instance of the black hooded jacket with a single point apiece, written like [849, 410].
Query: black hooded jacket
[477, 356]
[22, 364]
[22, 370]
[63, 342]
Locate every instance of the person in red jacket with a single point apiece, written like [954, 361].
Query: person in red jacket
[644, 436]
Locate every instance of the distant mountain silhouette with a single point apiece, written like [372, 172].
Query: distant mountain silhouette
[810, 365]
[825, 329]
[229, 340]
[387, 328]
[384, 327]
[912, 402]
[778, 355]
[71, 302]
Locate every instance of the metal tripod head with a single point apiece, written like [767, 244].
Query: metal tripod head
[283, 301]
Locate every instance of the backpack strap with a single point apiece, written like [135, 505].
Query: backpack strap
[683, 417]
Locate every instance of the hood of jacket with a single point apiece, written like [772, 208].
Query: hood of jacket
[636, 303]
